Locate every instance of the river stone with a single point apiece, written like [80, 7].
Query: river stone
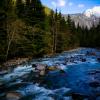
[3, 72]
[98, 59]
[94, 84]
[2, 95]
[43, 98]
[78, 96]
[14, 86]
[42, 73]
[52, 68]
[63, 91]
[14, 95]
[34, 65]
[98, 98]
[83, 60]
[41, 66]
[67, 98]
[86, 99]
[94, 71]
[2, 83]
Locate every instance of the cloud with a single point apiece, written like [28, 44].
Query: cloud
[58, 3]
[81, 5]
[93, 11]
[70, 3]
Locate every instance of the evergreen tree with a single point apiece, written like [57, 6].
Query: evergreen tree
[20, 8]
[3, 29]
[35, 14]
[97, 32]
[61, 33]
[52, 29]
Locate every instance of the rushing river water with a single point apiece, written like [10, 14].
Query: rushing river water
[80, 72]
[78, 78]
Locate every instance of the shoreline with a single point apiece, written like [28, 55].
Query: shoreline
[19, 61]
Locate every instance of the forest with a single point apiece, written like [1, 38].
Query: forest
[28, 30]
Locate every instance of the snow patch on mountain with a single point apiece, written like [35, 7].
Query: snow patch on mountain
[94, 11]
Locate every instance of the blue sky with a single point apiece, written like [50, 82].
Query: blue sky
[71, 6]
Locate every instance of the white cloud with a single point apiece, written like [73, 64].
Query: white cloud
[93, 11]
[58, 3]
[70, 3]
[81, 5]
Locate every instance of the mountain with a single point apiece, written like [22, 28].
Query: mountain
[83, 20]
[95, 11]
[88, 18]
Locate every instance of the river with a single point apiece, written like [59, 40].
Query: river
[77, 78]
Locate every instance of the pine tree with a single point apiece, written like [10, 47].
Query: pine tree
[20, 8]
[52, 30]
[97, 32]
[34, 12]
[3, 27]
[69, 22]
[60, 28]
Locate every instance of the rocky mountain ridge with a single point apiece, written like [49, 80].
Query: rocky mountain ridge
[83, 20]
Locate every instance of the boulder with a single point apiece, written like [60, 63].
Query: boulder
[52, 68]
[97, 91]
[98, 59]
[34, 65]
[3, 72]
[86, 99]
[94, 71]
[93, 54]
[42, 73]
[78, 96]
[87, 53]
[83, 60]
[2, 95]
[90, 53]
[98, 98]
[94, 84]
[14, 95]
[41, 66]
[16, 85]
[2, 83]
[62, 71]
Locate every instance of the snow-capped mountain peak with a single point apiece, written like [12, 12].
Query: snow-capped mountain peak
[86, 19]
[95, 11]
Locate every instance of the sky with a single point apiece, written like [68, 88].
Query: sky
[71, 6]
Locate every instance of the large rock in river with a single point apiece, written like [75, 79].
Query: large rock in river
[14, 95]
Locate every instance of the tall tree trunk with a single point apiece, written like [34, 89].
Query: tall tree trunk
[10, 38]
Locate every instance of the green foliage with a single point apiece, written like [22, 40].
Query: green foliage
[39, 42]
[3, 31]
[89, 37]
[47, 10]
[20, 8]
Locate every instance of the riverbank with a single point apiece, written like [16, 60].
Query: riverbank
[19, 61]
[13, 63]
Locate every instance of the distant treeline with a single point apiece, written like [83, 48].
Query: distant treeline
[26, 30]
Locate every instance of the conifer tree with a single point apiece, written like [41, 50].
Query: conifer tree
[3, 29]
[20, 8]
[35, 14]
[52, 29]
